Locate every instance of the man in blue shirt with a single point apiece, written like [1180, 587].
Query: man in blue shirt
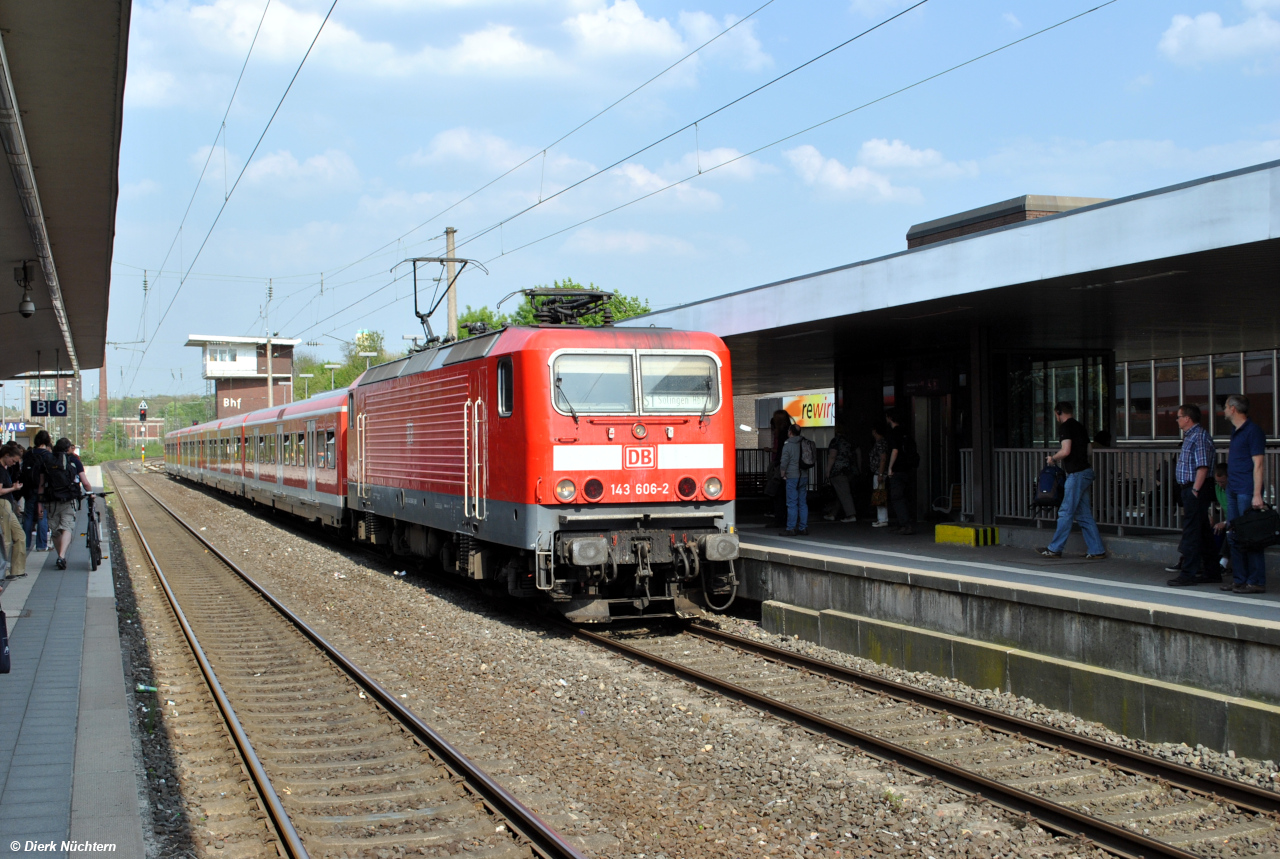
[1199, 564]
[1246, 467]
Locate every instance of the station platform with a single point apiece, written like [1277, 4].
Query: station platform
[67, 771]
[1106, 640]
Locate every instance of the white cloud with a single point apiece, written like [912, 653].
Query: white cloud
[858, 181]
[1012, 20]
[330, 169]
[740, 44]
[727, 163]
[590, 240]
[1205, 39]
[142, 188]
[227, 26]
[638, 179]
[897, 155]
[624, 29]
[1259, 5]
[463, 144]
[149, 87]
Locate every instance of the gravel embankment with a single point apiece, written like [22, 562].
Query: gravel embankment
[626, 760]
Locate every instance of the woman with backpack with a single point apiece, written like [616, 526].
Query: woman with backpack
[798, 456]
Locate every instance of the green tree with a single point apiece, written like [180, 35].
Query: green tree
[490, 318]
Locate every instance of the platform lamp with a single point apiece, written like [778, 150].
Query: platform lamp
[306, 386]
[331, 368]
[366, 356]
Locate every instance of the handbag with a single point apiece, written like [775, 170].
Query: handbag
[880, 496]
[1254, 530]
[4, 644]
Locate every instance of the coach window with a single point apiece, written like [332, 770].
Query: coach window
[300, 449]
[598, 384]
[506, 387]
[330, 461]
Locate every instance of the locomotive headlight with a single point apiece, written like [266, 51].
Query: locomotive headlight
[565, 490]
[712, 487]
[639, 431]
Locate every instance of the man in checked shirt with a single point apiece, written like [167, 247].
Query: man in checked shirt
[1195, 484]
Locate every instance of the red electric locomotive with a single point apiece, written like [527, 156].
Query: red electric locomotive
[591, 467]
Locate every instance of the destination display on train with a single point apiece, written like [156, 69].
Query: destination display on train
[812, 410]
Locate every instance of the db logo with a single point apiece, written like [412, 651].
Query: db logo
[639, 456]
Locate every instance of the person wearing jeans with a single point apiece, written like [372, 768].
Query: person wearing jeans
[797, 478]
[1246, 473]
[1076, 506]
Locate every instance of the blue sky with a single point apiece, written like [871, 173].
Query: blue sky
[406, 106]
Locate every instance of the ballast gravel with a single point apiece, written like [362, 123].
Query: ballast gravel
[627, 761]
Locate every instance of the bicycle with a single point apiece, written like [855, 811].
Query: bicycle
[93, 530]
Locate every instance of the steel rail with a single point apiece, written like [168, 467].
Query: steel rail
[540, 836]
[1237, 793]
[1055, 817]
[288, 835]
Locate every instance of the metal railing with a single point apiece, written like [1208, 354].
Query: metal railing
[753, 470]
[1133, 487]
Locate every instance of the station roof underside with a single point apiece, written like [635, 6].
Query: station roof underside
[67, 66]
[1185, 270]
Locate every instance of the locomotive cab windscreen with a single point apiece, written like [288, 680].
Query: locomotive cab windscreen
[604, 383]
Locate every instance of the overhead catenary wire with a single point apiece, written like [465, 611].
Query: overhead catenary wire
[793, 135]
[236, 184]
[694, 123]
[213, 146]
[541, 153]
[707, 170]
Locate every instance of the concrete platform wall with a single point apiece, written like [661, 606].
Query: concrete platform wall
[1180, 649]
[1134, 706]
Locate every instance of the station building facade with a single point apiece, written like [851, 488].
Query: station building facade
[1124, 307]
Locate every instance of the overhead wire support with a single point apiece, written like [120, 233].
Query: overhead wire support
[240, 176]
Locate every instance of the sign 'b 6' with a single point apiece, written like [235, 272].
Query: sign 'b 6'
[639, 456]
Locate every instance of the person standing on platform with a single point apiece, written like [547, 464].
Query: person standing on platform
[34, 462]
[10, 523]
[842, 466]
[60, 489]
[1198, 565]
[880, 473]
[779, 425]
[1246, 471]
[796, 473]
[1073, 457]
[903, 462]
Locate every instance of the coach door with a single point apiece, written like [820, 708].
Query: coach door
[279, 457]
[311, 456]
[476, 445]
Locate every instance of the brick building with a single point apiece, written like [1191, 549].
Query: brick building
[238, 368]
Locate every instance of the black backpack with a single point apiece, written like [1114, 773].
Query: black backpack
[30, 471]
[60, 478]
[808, 453]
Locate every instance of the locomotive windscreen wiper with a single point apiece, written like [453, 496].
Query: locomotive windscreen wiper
[565, 397]
[706, 401]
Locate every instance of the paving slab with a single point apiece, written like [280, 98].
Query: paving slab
[67, 768]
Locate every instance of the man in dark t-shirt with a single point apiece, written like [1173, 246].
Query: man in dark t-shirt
[1073, 457]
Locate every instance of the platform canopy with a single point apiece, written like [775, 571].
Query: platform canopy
[1189, 269]
[61, 103]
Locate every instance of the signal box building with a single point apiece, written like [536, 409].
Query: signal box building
[237, 366]
[1123, 307]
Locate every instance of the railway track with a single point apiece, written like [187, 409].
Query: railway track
[340, 766]
[1124, 802]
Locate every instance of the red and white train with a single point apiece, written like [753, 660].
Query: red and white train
[592, 467]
